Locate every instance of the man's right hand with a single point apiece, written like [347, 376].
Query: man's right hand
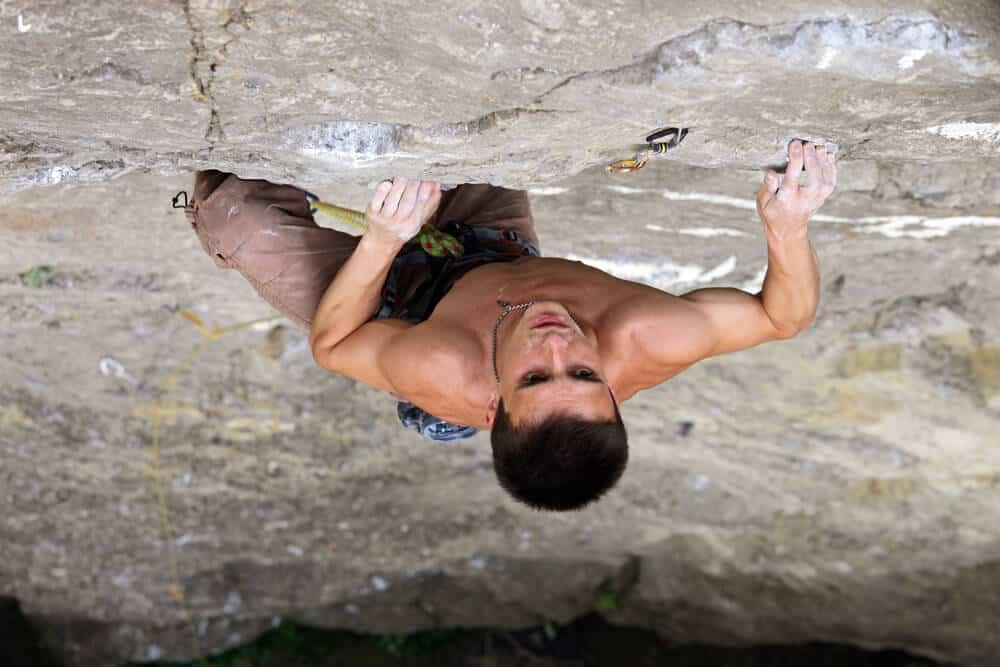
[399, 208]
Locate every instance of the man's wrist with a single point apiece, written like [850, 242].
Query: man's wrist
[379, 247]
[786, 236]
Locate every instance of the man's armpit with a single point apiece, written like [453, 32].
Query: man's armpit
[358, 356]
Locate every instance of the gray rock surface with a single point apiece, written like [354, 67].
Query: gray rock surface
[163, 494]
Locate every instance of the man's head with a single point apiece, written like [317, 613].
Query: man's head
[557, 435]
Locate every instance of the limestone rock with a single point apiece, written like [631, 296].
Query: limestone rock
[873, 359]
[986, 369]
[838, 486]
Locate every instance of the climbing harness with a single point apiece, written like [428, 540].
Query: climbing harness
[655, 146]
[434, 241]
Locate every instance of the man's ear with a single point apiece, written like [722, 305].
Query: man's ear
[491, 408]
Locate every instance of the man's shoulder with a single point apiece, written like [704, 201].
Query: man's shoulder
[438, 366]
[650, 337]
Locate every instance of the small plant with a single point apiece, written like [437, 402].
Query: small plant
[39, 276]
[607, 600]
[415, 644]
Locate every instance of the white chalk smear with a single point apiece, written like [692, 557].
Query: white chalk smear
[663, 274]
[891, 226]
[547, 191]
[828, 55]
[704, 232]
[978, 131]
[21, 25]
[722, 200]
[910, 57]
[723, 269]
[110, 36]
[756, 283]
[264, 326]
[625, 190]
[707, 232]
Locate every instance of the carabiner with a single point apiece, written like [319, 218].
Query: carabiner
[673, 142]
[626, 166]
[652, 147]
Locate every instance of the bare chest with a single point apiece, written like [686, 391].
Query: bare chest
[449, 356]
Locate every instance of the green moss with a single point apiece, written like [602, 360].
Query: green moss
[607, 601]
[38, 276]
[416, 644]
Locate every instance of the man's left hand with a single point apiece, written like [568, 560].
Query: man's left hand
[785, 205]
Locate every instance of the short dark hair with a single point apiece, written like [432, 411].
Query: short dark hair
[561, 463]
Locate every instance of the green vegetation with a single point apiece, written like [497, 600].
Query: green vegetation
[607, 601]
[588, 640]
[287, 639]
[415, 644]
[293, 645]
[38, 276]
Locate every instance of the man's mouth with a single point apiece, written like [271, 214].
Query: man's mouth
[549, 321]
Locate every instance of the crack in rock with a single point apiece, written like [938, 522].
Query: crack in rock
[815, 42]
[500, 118]
[204, 86]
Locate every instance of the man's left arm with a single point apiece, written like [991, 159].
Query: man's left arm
[787, 303]
[666, 333]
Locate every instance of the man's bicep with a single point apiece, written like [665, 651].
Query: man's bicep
[357, 356]
[732, 319]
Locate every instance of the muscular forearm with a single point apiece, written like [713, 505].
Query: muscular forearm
[354, 295]
[791, 286]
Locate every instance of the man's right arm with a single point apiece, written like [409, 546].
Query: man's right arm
[342, 337]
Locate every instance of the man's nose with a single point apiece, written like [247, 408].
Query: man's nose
[557, 335]
[555, 343]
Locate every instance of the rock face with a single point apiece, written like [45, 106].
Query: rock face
[164, 494]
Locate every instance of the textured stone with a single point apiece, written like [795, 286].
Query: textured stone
[874, 359]
[986, 369]
[179, 505]
[327, 94]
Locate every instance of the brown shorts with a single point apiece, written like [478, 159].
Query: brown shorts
[267, 233]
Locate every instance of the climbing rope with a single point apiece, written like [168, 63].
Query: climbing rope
[433, 241]
[157, 410]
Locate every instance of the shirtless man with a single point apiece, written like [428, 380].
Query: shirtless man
[539, 350]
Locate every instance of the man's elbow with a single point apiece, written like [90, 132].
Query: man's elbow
[791, 330]
[321, 347]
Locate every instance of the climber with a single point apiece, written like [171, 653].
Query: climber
[540, 350]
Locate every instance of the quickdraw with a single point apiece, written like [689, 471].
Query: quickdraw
[653, 147]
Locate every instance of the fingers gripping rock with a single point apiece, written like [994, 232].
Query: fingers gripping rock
[399, 208]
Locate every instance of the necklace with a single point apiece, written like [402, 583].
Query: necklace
[508, 308]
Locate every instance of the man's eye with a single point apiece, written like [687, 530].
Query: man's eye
[533, 378]
[584, 373]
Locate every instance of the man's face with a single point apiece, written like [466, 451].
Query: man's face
[547, 364]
